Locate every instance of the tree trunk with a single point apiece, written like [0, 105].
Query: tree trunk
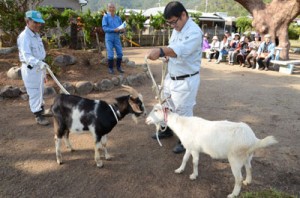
[74, 37]
[274, 19]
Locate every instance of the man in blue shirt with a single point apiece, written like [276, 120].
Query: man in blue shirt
[110, 24]
[265, 53]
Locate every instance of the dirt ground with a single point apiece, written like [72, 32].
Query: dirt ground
[266, 100]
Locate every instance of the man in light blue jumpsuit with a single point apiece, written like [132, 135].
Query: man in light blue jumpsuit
[32, 54]
[110, 24]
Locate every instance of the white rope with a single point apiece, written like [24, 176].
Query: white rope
[114, 113]
[158, 90]
[57, 82]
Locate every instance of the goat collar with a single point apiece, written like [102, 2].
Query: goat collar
[115, 112]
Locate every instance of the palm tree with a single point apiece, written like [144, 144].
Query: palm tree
[157, 22]
[139, 20]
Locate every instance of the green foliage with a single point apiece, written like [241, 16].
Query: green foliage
[157, 21]
[270, 193]
[243, 24]
[294, 31]
[196, 17]
[230, 6]
[139, 20]
[50, 60]
[91, 21]
[121, 13]
[12, 14]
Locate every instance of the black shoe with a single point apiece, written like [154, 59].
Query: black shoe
[111, 71]
[178, 148]
[163, 134]
[120, 70]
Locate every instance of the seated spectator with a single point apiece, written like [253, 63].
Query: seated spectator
[234, 48]
[224, 44]
[229, 37]
[244, 51]
[214, 49]
[253, 45]
[265, 53]
[205, 45]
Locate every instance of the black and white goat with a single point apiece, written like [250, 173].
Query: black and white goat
[219, 139]
[76, 114]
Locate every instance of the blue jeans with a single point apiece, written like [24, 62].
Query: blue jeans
[112, 40]
[223, 52]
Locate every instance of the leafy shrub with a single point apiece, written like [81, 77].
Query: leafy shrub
[294, 32]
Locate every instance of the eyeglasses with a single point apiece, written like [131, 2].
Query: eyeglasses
[34, 21]
[173, 22]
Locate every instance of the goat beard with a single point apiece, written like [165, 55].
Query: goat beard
[134, 118]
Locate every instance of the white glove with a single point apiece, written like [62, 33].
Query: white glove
[42, 65]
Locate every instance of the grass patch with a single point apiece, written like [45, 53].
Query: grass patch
[270, 193]
[295, 43]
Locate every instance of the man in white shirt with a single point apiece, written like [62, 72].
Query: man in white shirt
[32, 54]
[184, 59]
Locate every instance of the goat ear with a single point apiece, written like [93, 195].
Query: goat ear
[134, 106]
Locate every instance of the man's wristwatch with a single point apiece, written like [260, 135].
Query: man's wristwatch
[162, 53]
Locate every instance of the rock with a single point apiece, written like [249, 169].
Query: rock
[83, 87]
[23, 89]
[14, 73]
[145, 68]
[134, 80]
[8, 50]
[130, 64]
[125, 59]
[69, 87]
[93, 50]
[49, 92]
[64, 60]
[9, 91]
[106, 85]
[25, 97]
[116, 81]
[104, 61]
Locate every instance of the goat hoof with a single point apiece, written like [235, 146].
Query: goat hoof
[245, 182]
[178, 171]
[108, 157]
[100, 165]
[193, 177]
[59, 163]
[231, 196]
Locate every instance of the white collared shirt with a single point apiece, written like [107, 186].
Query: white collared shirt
[187, 44]
[31, 47]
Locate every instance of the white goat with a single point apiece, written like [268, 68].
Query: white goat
[219, 139]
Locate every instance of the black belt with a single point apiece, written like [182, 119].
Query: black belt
[183, 76]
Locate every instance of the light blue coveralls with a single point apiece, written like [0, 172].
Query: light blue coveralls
[31, 51]
[112, 39]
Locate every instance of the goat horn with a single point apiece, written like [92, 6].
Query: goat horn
[131, 90]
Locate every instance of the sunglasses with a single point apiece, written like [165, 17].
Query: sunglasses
[172, 22]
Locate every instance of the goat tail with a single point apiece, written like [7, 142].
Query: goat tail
[262, 143]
